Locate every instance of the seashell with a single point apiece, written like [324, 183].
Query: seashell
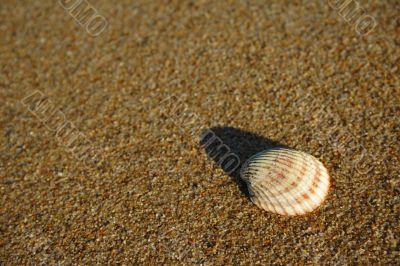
[286, 181]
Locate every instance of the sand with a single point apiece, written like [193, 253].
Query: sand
[136, 187]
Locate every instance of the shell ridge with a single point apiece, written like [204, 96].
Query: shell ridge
[286, 181]
[269, 164]
[262, 203]
[302, 185]
[272, 194]
[288, 203]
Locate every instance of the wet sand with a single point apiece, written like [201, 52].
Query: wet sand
[119, 174]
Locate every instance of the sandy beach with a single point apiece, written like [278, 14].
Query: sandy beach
[103, 116]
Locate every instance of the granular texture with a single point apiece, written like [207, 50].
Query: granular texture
[254, 72]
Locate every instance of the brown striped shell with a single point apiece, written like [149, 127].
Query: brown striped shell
[286, 181]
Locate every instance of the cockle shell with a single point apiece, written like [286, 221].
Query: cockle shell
[286, 181]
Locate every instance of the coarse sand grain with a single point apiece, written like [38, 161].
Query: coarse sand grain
[147, 192]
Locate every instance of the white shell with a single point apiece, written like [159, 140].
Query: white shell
[286, 181]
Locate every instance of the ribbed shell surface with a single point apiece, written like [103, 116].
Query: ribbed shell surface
[286, 181]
